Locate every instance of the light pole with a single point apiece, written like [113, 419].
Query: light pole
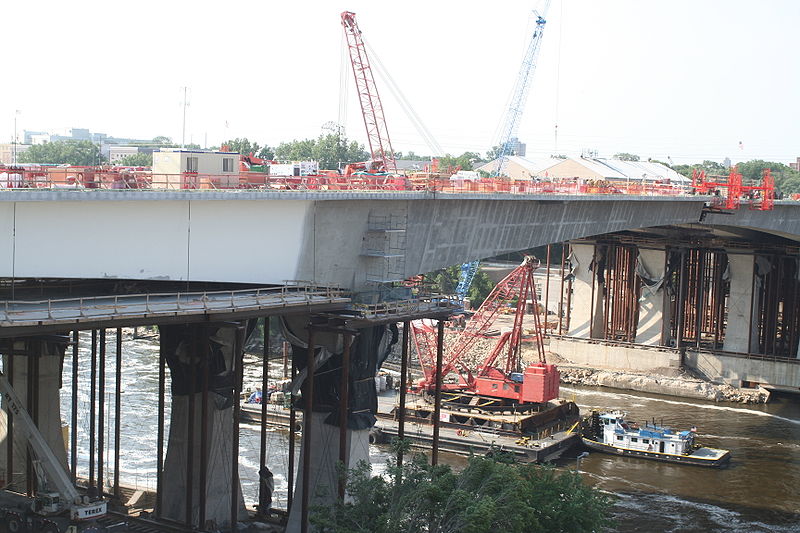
[14, 144]
[578, 460]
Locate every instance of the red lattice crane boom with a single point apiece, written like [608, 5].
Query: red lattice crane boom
[380, 145]
[538, 383]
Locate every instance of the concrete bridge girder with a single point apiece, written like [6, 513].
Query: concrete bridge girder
[271, 237]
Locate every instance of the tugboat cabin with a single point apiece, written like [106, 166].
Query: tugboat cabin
[621, 434]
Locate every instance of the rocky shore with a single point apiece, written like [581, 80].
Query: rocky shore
[681, 384]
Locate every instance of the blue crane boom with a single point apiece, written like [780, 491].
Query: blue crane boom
[510, 124]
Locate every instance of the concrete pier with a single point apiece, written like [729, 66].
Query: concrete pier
[43, 358]
[197, 468]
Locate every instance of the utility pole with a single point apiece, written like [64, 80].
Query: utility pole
[185, 104]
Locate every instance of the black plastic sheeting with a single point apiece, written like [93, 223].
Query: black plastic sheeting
[369, 350]
[177, 342]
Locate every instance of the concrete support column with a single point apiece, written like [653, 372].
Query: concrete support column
[581, 313]
[580, 324]
[369, 349]
[323, 465]
[49, 412]
[741, 332]
[650, 327]
[187, 349]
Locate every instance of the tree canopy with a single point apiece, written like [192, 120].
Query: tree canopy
[78, 153]
[466, 161]
[625, 156]
[445, 281]
[137, 160]
[245, 146]
[787, 180]
[487, 496]
[330, 150]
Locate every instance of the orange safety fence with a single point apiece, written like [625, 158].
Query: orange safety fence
[135, 179]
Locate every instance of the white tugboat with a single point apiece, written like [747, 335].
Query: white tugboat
[611, 433]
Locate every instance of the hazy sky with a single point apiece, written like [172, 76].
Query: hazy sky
[688, 79]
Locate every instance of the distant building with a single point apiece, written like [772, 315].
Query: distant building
[116, 153]
[174, 168]
[7, 152]
[795, 165]
[519, 167]
[583, 168]
[517, 148]
[35, 137]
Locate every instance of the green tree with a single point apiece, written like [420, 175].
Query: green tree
[494, 153]
[137, 160]
[330, 150]
[466, 160]
[625, 156]
[445, 281]
[161, 139]
[78, 153]
[787, 180]
[245, 146]
[487, 496]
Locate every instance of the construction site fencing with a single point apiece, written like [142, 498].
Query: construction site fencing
[91, 178]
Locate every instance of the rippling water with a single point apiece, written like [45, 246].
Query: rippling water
[139, 420]
[759, 491]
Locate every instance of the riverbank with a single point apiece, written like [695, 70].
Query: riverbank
[682, 385]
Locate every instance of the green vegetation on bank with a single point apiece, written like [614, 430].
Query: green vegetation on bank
[488, 496]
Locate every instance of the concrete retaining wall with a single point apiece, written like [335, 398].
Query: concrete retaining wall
[618, 357]
[734, 369]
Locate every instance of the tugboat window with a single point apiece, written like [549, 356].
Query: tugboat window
[619, 437]
[645, 441]
[634, 439]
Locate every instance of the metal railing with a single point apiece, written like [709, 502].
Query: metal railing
[407, 306]
[100, 178]
[100, 307]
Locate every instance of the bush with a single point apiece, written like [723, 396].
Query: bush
[489, 495]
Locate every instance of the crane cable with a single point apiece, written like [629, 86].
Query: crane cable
[412, 115]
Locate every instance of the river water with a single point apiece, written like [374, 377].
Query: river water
[759, 491]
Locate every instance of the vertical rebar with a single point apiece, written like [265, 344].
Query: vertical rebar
[292, 423]
[190, 423]
[92, 405]
[10, 419]
[205, 356]
[437, 398]
[118, 414]
[561, 312]
[546, 291]
[593, 270]
[238, 358]
[286, 360]
[73, 444]
[162, 377]
[344, 410]
[569, 297]
[680, 304]
[31, 393]
[101, 411]
[308, 400]
[401, 408]
[262, 458]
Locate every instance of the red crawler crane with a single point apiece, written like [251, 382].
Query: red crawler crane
[539, 381]
[380, 146]
[762, 197]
